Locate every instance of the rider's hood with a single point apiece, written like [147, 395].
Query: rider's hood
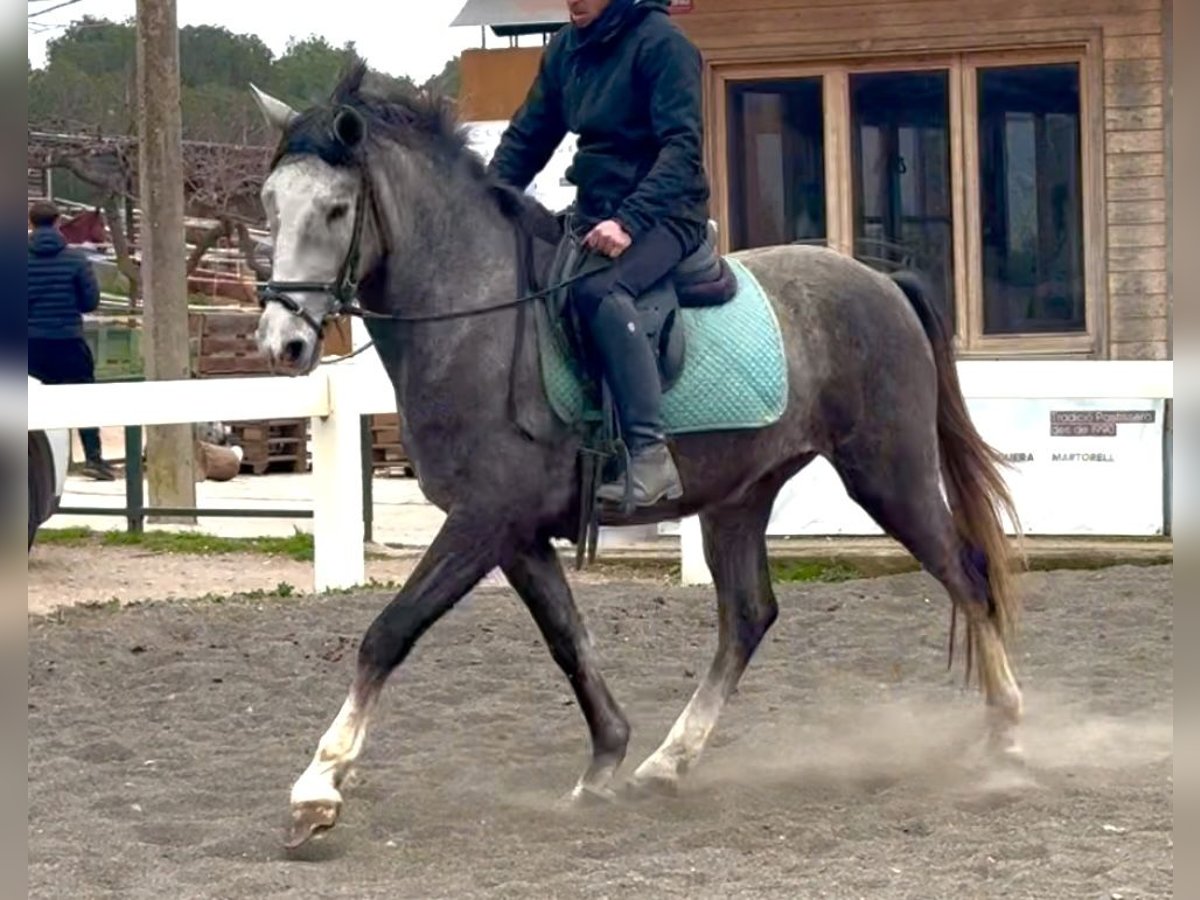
[617, 16]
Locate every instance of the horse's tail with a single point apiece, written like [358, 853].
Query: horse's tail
[971, 469]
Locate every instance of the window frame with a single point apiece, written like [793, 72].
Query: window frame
[962, 65]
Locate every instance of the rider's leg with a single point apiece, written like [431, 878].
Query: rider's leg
[606, 302]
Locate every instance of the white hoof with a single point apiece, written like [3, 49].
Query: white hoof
[654, 777]
[585, 795]
[310, 819]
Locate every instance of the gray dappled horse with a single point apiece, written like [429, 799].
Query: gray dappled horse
[377, 194]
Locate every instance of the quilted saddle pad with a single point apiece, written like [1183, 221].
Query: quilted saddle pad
[734, 375]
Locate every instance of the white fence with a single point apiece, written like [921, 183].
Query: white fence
[335, 396]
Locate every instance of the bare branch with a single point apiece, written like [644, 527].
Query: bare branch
[207, 241]
[261, 268]
[221, 181]
[125, 264]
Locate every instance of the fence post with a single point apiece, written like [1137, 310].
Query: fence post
[338, 558]
[135, 496]
[368, 486]
[693, 568]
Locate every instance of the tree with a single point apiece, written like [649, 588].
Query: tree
[88, 87]
[308, 69]
[95, 46]
[210, 56]
[87, 84]
[67, 98]
[447, 81]
[222, 114]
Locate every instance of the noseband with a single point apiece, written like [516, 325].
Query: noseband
[343, 289]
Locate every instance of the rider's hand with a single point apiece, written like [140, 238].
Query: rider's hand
[608, 238]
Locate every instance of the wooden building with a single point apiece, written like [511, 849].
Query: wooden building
[1016, 150]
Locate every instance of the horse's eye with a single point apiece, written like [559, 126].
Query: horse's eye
[338, 211]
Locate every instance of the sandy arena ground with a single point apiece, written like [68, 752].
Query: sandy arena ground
[163, 740]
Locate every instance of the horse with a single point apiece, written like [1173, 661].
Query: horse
[378, 206]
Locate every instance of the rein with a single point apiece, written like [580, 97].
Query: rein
[344, 289]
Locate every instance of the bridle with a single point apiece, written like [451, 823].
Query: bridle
[343, 290]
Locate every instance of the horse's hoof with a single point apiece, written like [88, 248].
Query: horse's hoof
[309, 819]
[1003, 747]
[648, 785]
[587, 796]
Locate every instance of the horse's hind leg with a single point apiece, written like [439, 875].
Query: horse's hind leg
[538, 578]
[897, 482]
[735, 548]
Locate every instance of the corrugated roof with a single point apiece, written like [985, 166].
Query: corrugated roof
[512, 12]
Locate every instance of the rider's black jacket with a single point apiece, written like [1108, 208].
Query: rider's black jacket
[629, 86]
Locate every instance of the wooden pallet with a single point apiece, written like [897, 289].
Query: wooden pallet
[273, 445]
[224, 347]
[388, 456]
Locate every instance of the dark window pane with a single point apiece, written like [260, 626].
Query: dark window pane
[900, 136]
[776, 163]
[1031, 199]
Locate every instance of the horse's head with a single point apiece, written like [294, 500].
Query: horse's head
[315, 198]
[378, 174]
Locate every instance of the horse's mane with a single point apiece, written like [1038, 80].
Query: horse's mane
[422, 120]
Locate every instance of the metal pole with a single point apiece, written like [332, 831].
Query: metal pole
[368, 474]
[1168, 463]
[135, 499]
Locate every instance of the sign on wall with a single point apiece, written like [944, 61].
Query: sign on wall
[1079, 467]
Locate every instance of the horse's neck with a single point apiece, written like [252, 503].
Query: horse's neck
[465, 269]
[447, 256]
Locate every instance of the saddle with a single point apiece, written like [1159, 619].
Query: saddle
[702, 279]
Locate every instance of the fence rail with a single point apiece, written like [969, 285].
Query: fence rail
[336, 397]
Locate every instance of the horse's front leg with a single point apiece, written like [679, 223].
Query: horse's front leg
[466, 548]
[538, 578]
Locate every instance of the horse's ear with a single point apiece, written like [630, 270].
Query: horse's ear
[349, 128]
[277, 113]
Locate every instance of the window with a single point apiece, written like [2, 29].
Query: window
[900, 142]
[777, 163]
[1030, 197]
[974, 169]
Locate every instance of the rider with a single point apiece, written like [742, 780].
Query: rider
[627, 81]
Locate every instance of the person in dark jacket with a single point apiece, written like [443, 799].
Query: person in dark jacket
[627, 82]
[61, 287]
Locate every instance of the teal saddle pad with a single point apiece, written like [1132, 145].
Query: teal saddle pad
[734, 374]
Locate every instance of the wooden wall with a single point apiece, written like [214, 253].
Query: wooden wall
[1131, 35]
[1130, 89]
[494, 82]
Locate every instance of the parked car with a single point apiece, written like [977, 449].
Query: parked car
[49, 454]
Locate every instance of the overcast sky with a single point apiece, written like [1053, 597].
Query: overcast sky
[400, 37]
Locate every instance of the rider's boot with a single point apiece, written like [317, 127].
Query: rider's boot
[632, 376]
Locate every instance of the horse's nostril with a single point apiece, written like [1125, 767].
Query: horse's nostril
[293, 350]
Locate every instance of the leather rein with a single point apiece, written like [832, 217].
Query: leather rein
[344, 288]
